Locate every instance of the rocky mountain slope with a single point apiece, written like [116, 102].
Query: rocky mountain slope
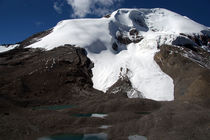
[137, 53]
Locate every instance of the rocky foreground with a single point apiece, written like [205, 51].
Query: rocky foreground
[33, 77]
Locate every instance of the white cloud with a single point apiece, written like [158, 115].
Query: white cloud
[58, 7]
[81, 8]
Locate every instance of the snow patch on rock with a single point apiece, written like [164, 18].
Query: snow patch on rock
[7, 48]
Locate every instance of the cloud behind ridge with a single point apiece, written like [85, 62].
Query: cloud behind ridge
[82, 8]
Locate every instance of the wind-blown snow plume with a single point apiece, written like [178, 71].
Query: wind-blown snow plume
[81, 8]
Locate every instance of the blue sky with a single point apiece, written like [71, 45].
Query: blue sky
[21, 18]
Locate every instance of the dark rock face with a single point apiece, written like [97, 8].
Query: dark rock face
[133, 31]
[191, 79]
[115, 46]
[53, 76]
[107, 16]
[34, 38]
[133, 37]
[123, 39]
[124, 88]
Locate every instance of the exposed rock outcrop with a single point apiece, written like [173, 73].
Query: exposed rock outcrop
[115, 46]
[34, 38]
[132, 36]
[124, 87]
[191, 79]
[49, 76]
[107, 16]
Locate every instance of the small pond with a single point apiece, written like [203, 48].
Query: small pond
[137, 137]
[95, 115]
[105, 126]
[98, 136]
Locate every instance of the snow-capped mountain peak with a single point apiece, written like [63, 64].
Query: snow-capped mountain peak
[127, 40]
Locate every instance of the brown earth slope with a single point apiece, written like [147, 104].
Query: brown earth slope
[191, 78]
[32, 77]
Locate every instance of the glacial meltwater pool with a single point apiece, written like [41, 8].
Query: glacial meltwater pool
[97, 136]
[95, 115]
[137, 137]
